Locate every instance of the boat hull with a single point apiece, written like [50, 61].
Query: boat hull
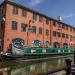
[47, 51]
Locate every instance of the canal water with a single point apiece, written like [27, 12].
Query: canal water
[31, 67]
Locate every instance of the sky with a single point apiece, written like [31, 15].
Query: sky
[53, 8]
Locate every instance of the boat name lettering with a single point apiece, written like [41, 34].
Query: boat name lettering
[44, 50]
[59, 51]
[33, 51]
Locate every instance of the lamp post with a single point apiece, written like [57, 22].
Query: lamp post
[43, 31]
[74, 49]
[59, 30]
[29, 29]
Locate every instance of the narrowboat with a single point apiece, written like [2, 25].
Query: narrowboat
[18, 50]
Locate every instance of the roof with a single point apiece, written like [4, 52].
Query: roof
[31, 10]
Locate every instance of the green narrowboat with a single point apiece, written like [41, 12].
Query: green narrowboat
[47, 51]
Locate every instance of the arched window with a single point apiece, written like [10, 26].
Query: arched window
[18, 42]
[56, 45]
[65, 45]
[36, 43]
[47, 43]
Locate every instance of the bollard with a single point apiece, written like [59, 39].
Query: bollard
[68, 67]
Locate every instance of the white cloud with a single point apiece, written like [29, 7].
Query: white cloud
[35, 2]
[68, 16]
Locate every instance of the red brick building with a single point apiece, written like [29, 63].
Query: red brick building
[16, 21]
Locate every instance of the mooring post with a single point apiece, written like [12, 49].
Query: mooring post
[68, 67]
[74, 48]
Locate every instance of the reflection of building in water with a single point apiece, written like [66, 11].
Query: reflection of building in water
[20, 71]
[59, 62]
[30, 70]
[32, 67]
[63, 61]
[44, 66]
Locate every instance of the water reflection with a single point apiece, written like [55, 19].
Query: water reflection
[29, 68]
[4, 71]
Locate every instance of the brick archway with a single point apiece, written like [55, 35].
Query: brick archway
[56, 45]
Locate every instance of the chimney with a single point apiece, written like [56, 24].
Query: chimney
[59, 18]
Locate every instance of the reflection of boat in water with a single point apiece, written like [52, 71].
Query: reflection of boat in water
[20, 71]
[30, 69]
